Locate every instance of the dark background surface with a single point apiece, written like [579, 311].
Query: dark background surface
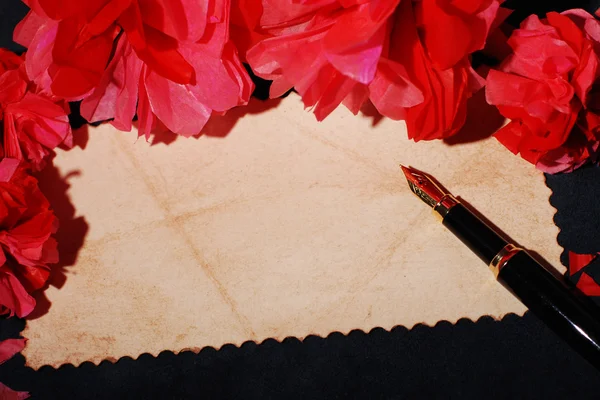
[513, 358]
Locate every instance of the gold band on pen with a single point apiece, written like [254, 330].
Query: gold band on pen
[442, 208]
[503, 256]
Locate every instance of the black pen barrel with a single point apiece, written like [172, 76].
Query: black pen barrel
[569, 314]
[480, 238]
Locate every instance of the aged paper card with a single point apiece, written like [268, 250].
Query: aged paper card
[283, 227]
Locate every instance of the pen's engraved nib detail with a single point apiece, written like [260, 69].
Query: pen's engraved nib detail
[423, 186]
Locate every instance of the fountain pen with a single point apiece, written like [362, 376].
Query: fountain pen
[572, 316]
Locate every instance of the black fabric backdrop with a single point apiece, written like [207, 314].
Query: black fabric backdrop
[513, 358]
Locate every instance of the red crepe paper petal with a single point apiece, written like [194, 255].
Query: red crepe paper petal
[165, 97]
[27, 28]
[356, 98]
[14, 299]
[146, 120]
[39, 55]
[588, 285]
[154, 47]
[8, 166]
[177, 18]
[354, 43]
[115, 97]
[10, 347]
[467, 22]
[245, 18]
[7, 393]
[77, 67]
[61, 9]
[579, 261]
[12, 87]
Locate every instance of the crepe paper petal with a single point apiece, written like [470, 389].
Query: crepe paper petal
[146, 120]
[61, 9]
[180, 19]
[392, 90]
[277, 13]
[7, 393]
[39, 55]
[237, 71]
[154, 47]
[579, 261]
[14, 299]
[586, 73]
[8, 166]
[10, 347]
[78, 67]
[115, 97]
[9, 61]
[337, 89]
[12, 87]
[360, 65]
[354, 43]
[221, 92]
[27, 28]
[103, 19]
[588, 285]
[467, 22]
[175, 106]
[244, 21]
[356, 98]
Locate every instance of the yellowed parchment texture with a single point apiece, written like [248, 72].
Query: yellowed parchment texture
[285, 227]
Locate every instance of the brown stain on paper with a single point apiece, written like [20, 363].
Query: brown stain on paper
[286, 227]
[177, 225]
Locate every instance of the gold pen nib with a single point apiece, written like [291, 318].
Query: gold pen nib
[423, 186]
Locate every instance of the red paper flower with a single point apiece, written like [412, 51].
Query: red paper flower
[409, 58]
[26, 226]
[548, 87]
[34, 123]
[129, 82]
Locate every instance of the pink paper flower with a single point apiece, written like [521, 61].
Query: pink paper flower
[169, 61]
[34, 122]
[549, 88]
[129, 84]
[26, 227]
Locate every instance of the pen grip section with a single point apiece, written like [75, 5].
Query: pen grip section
[473, 232]
[569, 314]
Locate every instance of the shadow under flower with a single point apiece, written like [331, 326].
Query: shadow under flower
[483, 120]
[70, 235]
[217, 125]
